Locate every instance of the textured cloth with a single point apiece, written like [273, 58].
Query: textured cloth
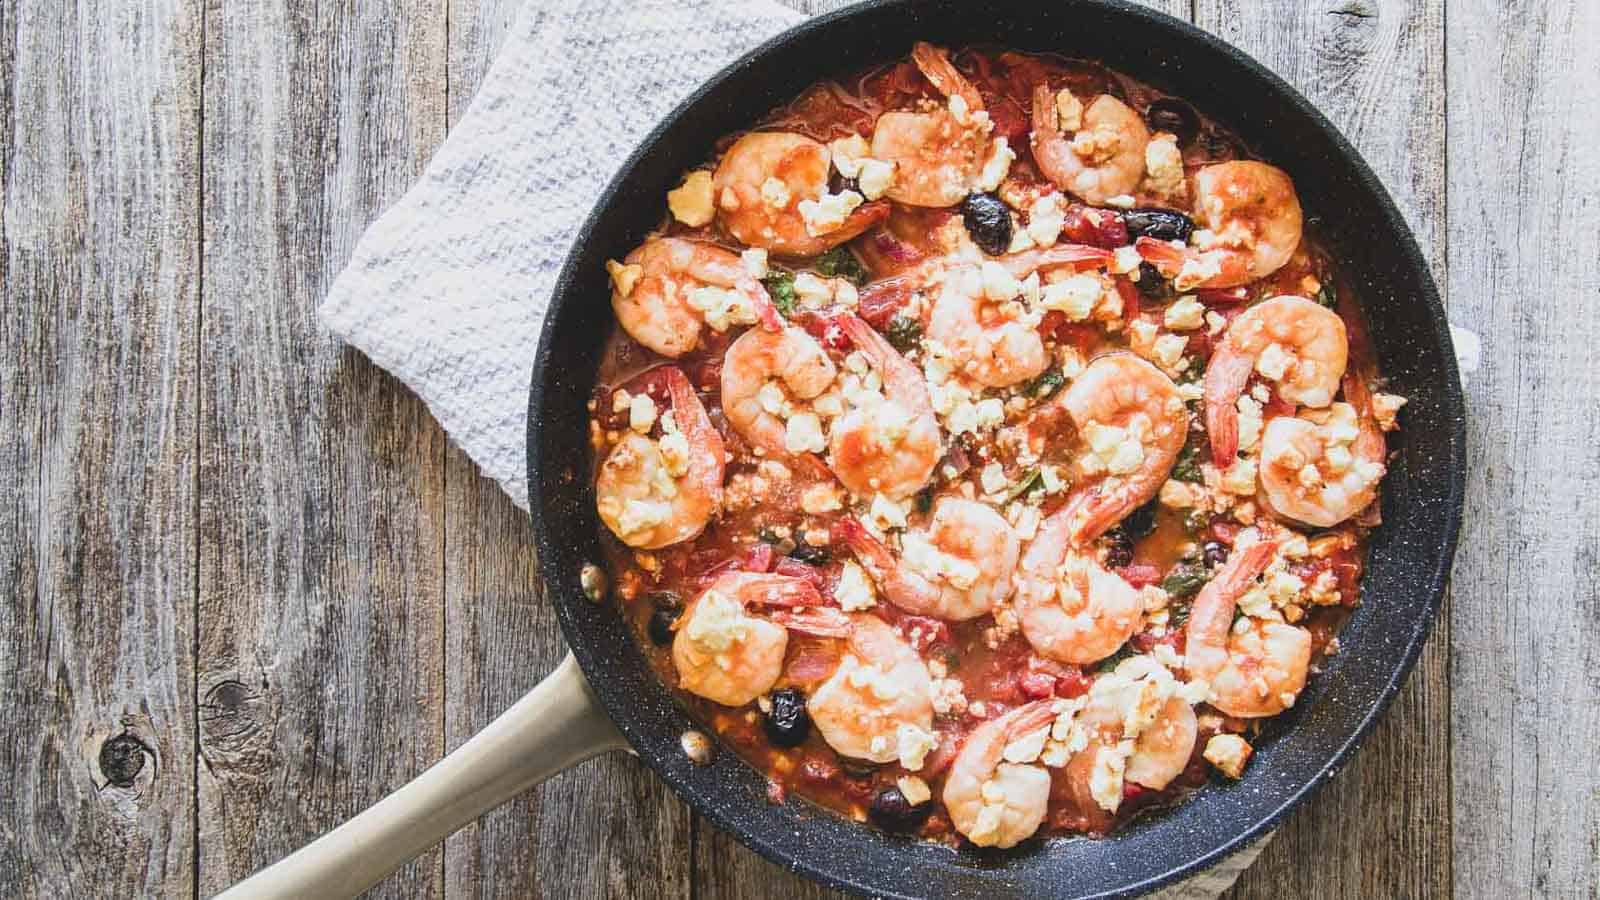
[448, 289]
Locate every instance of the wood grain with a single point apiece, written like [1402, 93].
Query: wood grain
[321, 656]
[99, 258]
[609, 828]
[1382, 827]
[1524, 229]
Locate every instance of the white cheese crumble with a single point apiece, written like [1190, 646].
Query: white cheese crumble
[691, 202]
[997, 165]
[828, 212]
[1229, 753]
[803, 433]
[913, 745]
[623, 278]
[718, 623]
[1186, 314]
[854, 591]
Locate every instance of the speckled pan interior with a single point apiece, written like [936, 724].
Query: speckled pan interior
[1410, 554]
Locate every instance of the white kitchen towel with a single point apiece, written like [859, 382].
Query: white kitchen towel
[448, 288]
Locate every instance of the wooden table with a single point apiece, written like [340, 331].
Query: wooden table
[251, 588]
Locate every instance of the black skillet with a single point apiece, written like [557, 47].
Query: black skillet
[561, 722]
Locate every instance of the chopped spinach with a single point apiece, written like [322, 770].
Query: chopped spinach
[841, 263]
[1023, 485]
[1328, 296]
[1184, 580]
[1187, 468]
[924, 499]
[1178, 615]
[780, 286]
[903, 332]
[1045, 386]
[1111, 662]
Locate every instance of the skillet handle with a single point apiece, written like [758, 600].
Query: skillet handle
[556, 725]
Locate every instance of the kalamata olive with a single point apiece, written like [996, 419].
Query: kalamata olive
[891, 811]
[1214, 554]
[1119, 549]
[1174, 116]
[1152, 286]
[661, 622]
[787, 723]
[988, 222]
[857, 768]
[810, 553]
[1141, 521]
[1161, 224]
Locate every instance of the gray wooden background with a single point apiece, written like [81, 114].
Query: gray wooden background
[251, 588]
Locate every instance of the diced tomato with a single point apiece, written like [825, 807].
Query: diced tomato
[1095, 227]
[923, 631]
[1131, 789]
[881, 300]
[1037, 685]
[760, 558]
[794, 568]
[1130, 299]
[1224, 531]
[1140, 574]
[1010, 122]
[1073, 684]
[942, 755]
[1276, 406]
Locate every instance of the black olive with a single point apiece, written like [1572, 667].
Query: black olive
[1161, 224]
[1141, 521]
[891, 811]
[787, 723]
[661, 625]
[1119, 548]
[857, 768]
[1152, 286]
[1214, 554]
[809, 554]
[988, 222]
[1174, 116]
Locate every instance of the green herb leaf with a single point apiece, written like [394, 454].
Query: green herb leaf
[903, 332]
[1111, 662]
[1185, 580]
[1177, 615]
[924, 499]
[1187, 468]
[780, 286]
[841, 263]
[1328, 296]
[1029, 478]
[1045, 386]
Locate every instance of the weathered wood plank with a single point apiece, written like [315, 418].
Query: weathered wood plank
[608, 828]
[100, 124]
[320, 670]
[1524, 226]
[1376, 68]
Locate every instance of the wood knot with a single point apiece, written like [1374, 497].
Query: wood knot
[122, 759]
[237, 724]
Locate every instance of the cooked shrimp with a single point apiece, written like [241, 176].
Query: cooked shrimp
[668, 289]
[1250, 224]
[1163, 749]
[1071, 609]
[878, 705]
[1291, 341]
[1133, 424]
[1256, 668]
[792, 359]
[993, 340]
[1321, 473]
[890, 446]
[724, 653]
[992, 802]
[957, 569]
[939, 154]
[1104, 158]
[772, 192]
[654, 493]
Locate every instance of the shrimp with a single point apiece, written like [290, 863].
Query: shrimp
[957, 570]
[1255, 667]
[1103, 159]
[654, 493]
[791, 358]
[939, 154]
[1164, 747]
[1250, 224]
[1323, 473]
[994, 340]
[1292, 341]
[992, 802]
[1070, 608]
[724, 653]
[879, 702]
[1134, 424]
[889, 446]
[772, 192]
[668, 289]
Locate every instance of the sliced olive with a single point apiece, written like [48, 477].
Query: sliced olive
[661, 622]
[1152, 286]
[809, 554]
[1215, 554]
[787, 723]
[1175, 116]
[1119, 548]
[891, 811]
[1161, 224]
[988, 222]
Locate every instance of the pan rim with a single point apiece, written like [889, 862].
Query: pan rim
[1451, 398]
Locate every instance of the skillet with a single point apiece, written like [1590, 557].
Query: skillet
[617, 702]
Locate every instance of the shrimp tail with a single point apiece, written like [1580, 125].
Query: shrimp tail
[860, 219]
[823, 622]
[1225, 379]
[1166, 258]
[707, 460]
[779, 590]
[1093, 511]
[1211, 614]
[1080, 256]
[1030, 718]
[934, 63]
[869, 551]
